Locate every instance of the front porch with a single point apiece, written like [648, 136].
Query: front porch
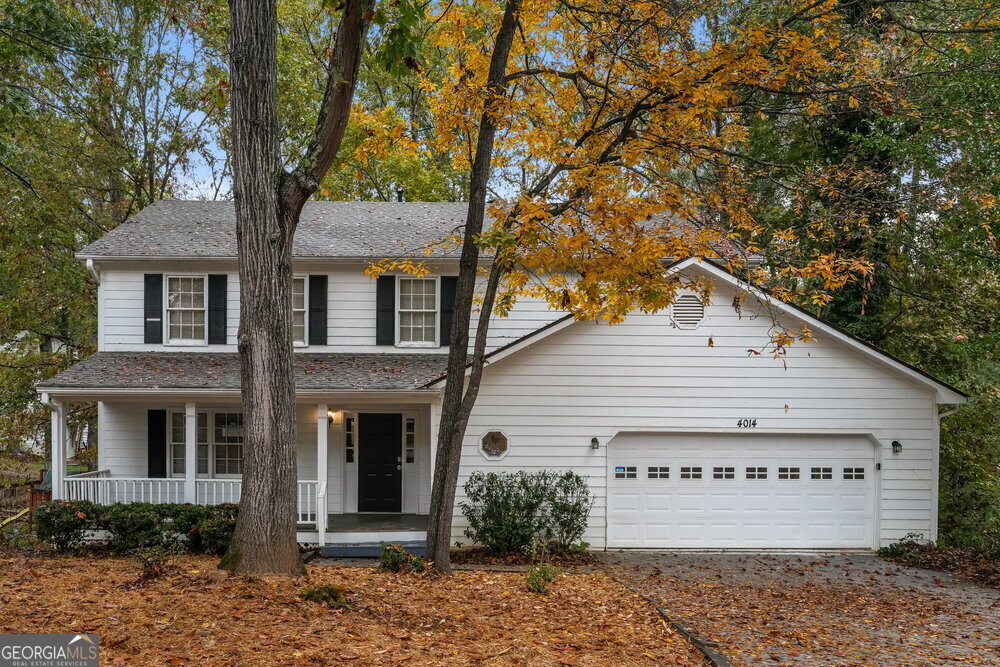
[366, 463]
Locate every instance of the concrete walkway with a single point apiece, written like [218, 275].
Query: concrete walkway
[820, 609]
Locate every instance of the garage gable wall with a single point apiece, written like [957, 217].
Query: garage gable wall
[645, 375]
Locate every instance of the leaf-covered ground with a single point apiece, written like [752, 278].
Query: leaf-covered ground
[190, 616]
[816, 610]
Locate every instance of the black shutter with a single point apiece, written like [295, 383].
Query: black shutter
[156, 451]
[317, 310]
[385, 310]
[217, 309]
[153, 308]
[448, 285]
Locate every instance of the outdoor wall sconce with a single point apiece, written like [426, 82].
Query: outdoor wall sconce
[595, 443]
[333, 417]
[897, 447]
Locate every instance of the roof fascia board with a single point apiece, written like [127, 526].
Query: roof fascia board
[421, 394]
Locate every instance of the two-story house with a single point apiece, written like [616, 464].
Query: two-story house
[686, 438]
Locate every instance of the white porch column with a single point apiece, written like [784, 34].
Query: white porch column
[190, 452]
[322, 470]
[435, 425]
[59, 434]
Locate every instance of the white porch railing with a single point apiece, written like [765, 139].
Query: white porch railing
[100, 488]
[104, 490]
[308, 490]
[218, 491]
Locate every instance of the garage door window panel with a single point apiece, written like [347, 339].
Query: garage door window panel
[625, 472]
[723, 472]
[821, 473]
[690, 472]
[788, 473]
[757, 472]
[658, 472]
[854, 473]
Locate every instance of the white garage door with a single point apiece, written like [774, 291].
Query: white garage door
[736, 491]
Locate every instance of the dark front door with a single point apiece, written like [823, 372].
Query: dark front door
[380, 463]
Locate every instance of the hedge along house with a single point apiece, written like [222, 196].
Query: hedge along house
[684, 444]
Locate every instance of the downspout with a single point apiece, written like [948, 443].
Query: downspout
[58, 443]
[93, 271]
[937, 467]
[949, 412]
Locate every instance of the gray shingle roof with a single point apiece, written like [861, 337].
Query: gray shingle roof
[326, 229]
[194, 370]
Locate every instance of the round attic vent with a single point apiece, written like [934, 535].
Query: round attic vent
[687, 312]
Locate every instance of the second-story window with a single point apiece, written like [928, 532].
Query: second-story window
[299, 311]
[186, 309]
[418, 311]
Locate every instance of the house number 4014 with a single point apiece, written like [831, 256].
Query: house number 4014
[746, 423]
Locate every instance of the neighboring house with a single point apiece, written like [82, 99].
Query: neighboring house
[687, 439]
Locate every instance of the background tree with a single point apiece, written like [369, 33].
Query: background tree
[105, 107]
[622, 138]
[922, 214]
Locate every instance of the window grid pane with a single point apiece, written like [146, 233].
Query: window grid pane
[411, 439]
[417, 310]
[349, 439]
[177, 438]
[299, 310]
[186, 308]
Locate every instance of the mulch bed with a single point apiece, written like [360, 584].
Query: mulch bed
[195, 615]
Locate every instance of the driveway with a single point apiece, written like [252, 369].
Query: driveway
[820, 609]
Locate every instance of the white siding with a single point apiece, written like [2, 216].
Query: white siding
[122, 438]
[350, 314]
[594, 380]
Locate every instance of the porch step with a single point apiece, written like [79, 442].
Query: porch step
[369, 549]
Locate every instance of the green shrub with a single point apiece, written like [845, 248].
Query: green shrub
[134, 526]
[395, 558]
[540, 576]
[568, 509]
[508, 512]
[172, 527]
[213, 534]
[63, 523]
[334, 596]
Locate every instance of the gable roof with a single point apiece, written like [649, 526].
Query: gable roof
[139, 371]
[207, 230]
[946, 394]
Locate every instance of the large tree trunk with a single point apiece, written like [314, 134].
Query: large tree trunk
[268, 204]
[264, 540]
[459, 396]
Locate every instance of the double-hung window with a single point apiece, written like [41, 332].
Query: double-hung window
[418, 312]
[186, 309]
[219, 444]
[300, 310]
[178, 448]
[228, 439]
